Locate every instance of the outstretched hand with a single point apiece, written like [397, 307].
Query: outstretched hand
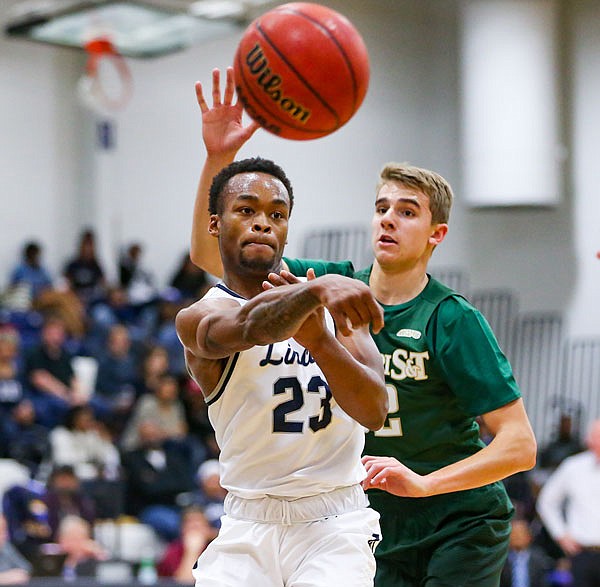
[391, 475]
[222, 128]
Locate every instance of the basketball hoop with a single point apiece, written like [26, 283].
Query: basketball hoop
[107, 85]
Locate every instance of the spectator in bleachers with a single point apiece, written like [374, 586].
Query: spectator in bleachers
[183, 552]
[210, 494]
[521, 490]
[84, 443]
[65, 496]
[11, 388]
[527, 565]
[163, 407]
[134, 278]
[154, 365]
[74, 538]
[561, 576]
[191, 281]
[166, 334]
[41, 294]
[14, 568]
[26, 512]
[110, 310]
[565, 444]
[84, 271]
[23, 439]
[156, 473]
[576, 528]
[116, 379]
[50, 375]
[30, 273]
[201, 433]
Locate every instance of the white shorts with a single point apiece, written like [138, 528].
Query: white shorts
[320, 541]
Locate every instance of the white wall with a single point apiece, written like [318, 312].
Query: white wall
[583, 307]
[54, 178]
[39, 145]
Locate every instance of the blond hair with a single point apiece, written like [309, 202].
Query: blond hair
[433, 185]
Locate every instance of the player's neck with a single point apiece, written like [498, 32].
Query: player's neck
[397, 286]
[245, 287]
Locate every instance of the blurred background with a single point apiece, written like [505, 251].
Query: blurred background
[499, 96]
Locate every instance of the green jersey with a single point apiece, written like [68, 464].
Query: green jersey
[443, 367]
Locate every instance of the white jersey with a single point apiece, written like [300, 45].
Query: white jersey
[279, 429]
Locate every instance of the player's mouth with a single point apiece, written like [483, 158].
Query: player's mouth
[258, 244]
[385, 239]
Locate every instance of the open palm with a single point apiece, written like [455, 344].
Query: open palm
[222, 127]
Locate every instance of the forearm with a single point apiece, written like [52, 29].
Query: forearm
[204, 249]
[183, 573]
[49, 384]
[358, 388]
[507, 454]
[277, 314]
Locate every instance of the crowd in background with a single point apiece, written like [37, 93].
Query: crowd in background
[126, 434]
[97, 406]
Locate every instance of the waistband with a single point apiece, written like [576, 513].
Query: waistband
[278, 510]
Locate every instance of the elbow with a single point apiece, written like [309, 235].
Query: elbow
[195, 258]
[532, 455]
[527, 451]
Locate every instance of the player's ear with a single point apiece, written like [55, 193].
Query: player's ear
[438, 234]
[214, 225]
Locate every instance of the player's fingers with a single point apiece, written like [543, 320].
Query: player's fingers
[229, 85]
[376, 313]
[380, 478]
[267, 285]
[366, 311]
[276, 279]
[357, 314]
[289, 277]
[200, 97]
[310, 274]
[216, 87]
[341, 323]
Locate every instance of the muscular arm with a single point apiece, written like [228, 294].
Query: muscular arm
[513, 449]
[349, 360]
[223, 135]
[354, 371]
[214, 329]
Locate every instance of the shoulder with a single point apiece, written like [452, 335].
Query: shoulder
[582, 459]
[452, 306]
[214, 300]
[299, 267]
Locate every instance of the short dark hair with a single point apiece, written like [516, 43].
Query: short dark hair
[31, 250]
[253, 164]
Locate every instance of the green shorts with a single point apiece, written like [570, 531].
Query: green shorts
[458, 539]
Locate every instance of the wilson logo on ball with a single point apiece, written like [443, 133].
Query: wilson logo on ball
[270, 82]
[301, 70]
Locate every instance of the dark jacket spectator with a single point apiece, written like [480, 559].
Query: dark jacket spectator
[156, 474]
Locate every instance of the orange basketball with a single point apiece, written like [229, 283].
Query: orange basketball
[301, 70]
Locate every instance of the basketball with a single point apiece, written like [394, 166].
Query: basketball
[301, 70]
